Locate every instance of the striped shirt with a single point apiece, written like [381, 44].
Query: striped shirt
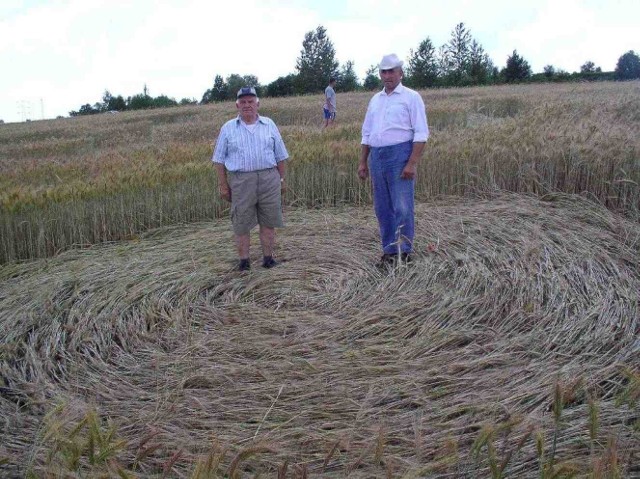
[240, 149]
[395, 118]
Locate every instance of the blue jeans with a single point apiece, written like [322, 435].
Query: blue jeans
[393, 196]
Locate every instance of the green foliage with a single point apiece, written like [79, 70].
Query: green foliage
[457, 55]
[234, 82]
[225, 90]
[217, 93]
[460, 62]
[481, 67]
[347, 78]
[372, 80]
[549, 71]
[163, 101]
[590, 67]
[89, 447]
[113, 103]
[282, 86]
[316, 63]
[628, 66]
[487, 439]
[517, 69]
[140, 101]
[85, 109]
[423, 66]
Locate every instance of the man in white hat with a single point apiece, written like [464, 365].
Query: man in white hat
[249, 158]
[394, 134]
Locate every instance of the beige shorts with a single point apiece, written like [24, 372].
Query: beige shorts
[255, 200]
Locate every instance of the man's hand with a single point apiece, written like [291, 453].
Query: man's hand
[363, 171]
[225, 192]
[409, 172]
[283, 186]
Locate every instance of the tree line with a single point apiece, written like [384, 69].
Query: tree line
[141, 101]
[462, 61]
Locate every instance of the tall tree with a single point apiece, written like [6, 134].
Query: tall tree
[220, 91]
[480, 65]
[113, 103]
[317, 62]
[234, 83]
[372, 79]
[423, 65]
[217, 93]
[347, 78]
[457, 54]
[517, 69]
[549, 71]
[588, 67]
[628, 66]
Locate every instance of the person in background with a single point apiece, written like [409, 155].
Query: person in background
[394, 134]
[329, 103]
[249, 157]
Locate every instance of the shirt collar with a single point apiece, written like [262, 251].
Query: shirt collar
[398, 89]
[259, 120]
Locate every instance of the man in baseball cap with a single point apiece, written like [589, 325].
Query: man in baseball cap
[251, 176]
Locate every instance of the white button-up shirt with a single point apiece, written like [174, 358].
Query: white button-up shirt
[240, 148]
[395, 118]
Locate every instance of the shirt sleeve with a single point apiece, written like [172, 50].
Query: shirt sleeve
[220, 150]
[279, 150]
[367, 125]
[419, 120]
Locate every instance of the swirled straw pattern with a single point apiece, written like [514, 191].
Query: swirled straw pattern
[515, 309]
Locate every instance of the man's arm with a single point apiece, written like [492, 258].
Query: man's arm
[363, 168]
[282, 170]
[223, 184]
[410, 169]
[421, 134]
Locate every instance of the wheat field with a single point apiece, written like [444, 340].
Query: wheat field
[81, 181]
[509, 348]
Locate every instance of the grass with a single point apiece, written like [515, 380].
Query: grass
[507, 349]
[80, 181]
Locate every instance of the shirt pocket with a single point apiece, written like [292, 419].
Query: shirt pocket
[397, 113]
[233, 145]
[268, 144]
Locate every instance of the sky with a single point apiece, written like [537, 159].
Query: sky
[56, 55]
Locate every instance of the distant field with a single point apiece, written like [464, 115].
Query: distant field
[81, 181]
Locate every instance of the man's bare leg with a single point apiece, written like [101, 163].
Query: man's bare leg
[242, 244]
[267, 240]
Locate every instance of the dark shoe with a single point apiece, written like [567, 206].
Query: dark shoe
[406, 258]
[269, 262]
[387, 259]
[244, 265]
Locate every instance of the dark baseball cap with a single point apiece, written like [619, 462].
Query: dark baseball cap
[246, 91]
